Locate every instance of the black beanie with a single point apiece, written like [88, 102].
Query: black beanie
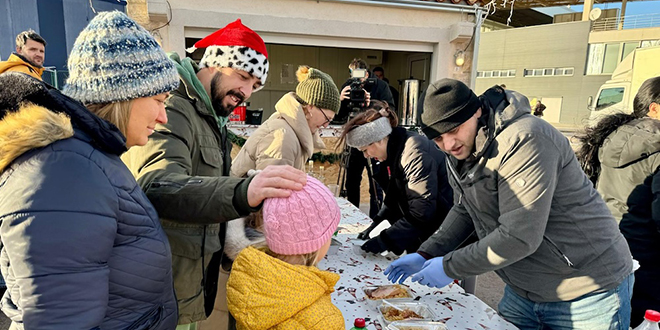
[448, 104]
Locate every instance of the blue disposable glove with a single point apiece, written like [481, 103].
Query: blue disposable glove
[432, 274]
[405, 266]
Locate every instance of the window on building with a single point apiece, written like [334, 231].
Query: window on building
[547, 72]
[628, 48]
[595, 59]
[611, 59]
[650, 43]
[496, 74]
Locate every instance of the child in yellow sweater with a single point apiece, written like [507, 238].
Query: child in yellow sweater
[278, 286]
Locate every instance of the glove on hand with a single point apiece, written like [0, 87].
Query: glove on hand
[432, 274]
[374, 245]
[405, 266]
[365, 234]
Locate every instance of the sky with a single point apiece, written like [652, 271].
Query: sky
[632, 8]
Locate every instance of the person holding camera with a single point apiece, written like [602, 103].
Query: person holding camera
[356, 94]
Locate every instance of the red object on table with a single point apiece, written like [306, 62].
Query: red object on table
[239, 113]
[359, 323]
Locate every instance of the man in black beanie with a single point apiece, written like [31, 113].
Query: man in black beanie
[541, 225]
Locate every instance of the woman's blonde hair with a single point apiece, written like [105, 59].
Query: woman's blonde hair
[118, 113]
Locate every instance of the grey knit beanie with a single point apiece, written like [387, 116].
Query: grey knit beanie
[115, 59]
[317, 88]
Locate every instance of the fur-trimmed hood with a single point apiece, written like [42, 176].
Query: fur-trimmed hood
[30, 127]
[34, 114]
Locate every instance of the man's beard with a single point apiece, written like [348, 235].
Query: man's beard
[217, 96]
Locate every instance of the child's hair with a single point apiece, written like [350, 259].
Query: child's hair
[296, 227]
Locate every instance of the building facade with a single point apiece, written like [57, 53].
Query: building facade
[561, 64]
[58, 22]
[407, 39]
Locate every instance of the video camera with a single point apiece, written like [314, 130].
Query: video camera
[358, 94]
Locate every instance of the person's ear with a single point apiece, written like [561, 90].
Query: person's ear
[654, 110]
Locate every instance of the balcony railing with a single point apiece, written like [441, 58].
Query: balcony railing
[627, 22]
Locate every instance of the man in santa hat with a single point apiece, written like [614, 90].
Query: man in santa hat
[184, 168]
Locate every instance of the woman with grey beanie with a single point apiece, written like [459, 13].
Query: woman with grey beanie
[412, 174]
[82, 246]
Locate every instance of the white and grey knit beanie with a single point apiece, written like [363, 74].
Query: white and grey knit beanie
[115, 59]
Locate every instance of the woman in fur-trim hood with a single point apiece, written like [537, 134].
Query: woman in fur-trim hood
[82, 246]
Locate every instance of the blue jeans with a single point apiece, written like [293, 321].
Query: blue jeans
[602, 311]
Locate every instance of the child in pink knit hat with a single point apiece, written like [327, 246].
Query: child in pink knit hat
[277, 285]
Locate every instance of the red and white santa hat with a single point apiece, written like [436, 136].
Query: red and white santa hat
[235, 46]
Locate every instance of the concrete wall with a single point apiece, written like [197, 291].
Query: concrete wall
[15, 17]
[625, 35]
[331, 25]
[58, 21]
[546, 46]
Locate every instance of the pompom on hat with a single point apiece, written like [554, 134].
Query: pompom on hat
[115, 59]
[235, 46]
[303, 222]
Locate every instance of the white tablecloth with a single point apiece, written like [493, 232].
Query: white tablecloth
[247, 130]
[459, 310]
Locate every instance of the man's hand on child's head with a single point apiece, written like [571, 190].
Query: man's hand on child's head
[275, 181]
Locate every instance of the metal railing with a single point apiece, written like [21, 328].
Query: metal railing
[55, 77]
[627, 22]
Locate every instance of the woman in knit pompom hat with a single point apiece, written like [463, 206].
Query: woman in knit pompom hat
[82, 245]
[290, 135]
[277, 285]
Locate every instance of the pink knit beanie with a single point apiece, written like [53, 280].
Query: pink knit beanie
[302, 222]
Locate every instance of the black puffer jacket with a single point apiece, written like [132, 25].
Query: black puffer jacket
[630, 185]
[417, 193]
[82, 247]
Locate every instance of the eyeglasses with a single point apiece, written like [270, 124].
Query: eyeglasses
[327, 119]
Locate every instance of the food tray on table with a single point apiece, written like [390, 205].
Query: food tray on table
[417, 325]
[412, 310]
[374, 294]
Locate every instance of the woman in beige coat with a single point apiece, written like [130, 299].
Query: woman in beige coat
[290, 135]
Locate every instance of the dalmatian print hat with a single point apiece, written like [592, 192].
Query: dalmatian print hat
[235, 46]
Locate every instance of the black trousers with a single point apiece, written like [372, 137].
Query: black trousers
[355, 167]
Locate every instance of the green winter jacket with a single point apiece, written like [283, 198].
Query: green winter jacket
[184, 170]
